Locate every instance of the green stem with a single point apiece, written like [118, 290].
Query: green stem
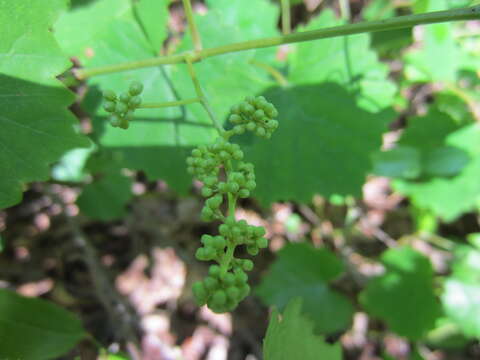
[197, 42]
[399, 22]
[201, 95]
[286, 22]
[168, 104]
[345, 9]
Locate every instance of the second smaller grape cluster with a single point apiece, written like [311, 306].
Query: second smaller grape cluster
[254, 114]
[123, 106]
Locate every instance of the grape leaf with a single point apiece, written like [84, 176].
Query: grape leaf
[462, 291]
[152, 16]
[440, 57]
[159, 139]
[401, 162]
[451, 197]
[33, 329]
[37, 127]
[106, 198]
[291, 336]
[347, 61]
[403, 296]
[319, 146]
[301, 270]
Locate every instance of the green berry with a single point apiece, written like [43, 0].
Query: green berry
[135, 88]
[252, 250]
[214, 271]
[135, 102]
[115, 121]
[207, 192]
[228, 278]
[109, 106]
[125, 98]
[109, 95]
[247, 265]
[210, 283]
[262, 243]
[200, 293]
[219, 298]
[233, 293]
[196, 153]
[244, 193]
[251, 126]
[121, 108]
[235, 119]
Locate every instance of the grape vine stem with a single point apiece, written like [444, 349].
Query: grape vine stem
[399, 22]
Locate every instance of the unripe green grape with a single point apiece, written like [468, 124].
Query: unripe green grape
[219, 242]
[206, 214]
[260, 132]
[262, 243]
[252, 250]
[129, 115]
[259, 231]
[233, 293]
[190, 161]
[228, 278]
[236, 231]
[205, 239]
[224, 155]
[196, 153]
[244, 193]
[240, 277]
[124, 124]
[200, 293]
[210, 283]
[232, 187]
[191, 170]
[239, 129]
[251, 126]
[235, 109]
[215, 201]
[214, 271]
[242, 224]
[207, 192]
[244, 291]
[115, 121]
[210, 181]
[224, 229]
[219, 297]
[250, 99]
[235, 119]
[134, 102]
[223, 187]
[247, 265]
[135, 88]
[109, 95]
[125, 97]
[230, 221]
[109, 106]
[238, 155]
[258, 114]
[200, 254]
[250, 185]
[121, 108]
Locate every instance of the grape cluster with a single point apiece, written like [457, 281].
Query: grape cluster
[224, 174]
[123, 106]
[254, 114]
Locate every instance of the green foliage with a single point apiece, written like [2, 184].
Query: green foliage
[462, 291]
[404, 296]
[37, 128]
[449, 197]
[291, 336]
[106, 198]
[326, 137]
[301, 270]
[33, 329]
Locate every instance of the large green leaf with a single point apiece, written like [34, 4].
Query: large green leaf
[34, 329]
[451, 197]
[319, 147]
[301, 270]
[106, 198]
[36, 126]
[347, 61]
[462, 292]
[403, 296]
[159, 139]
[291, 336]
